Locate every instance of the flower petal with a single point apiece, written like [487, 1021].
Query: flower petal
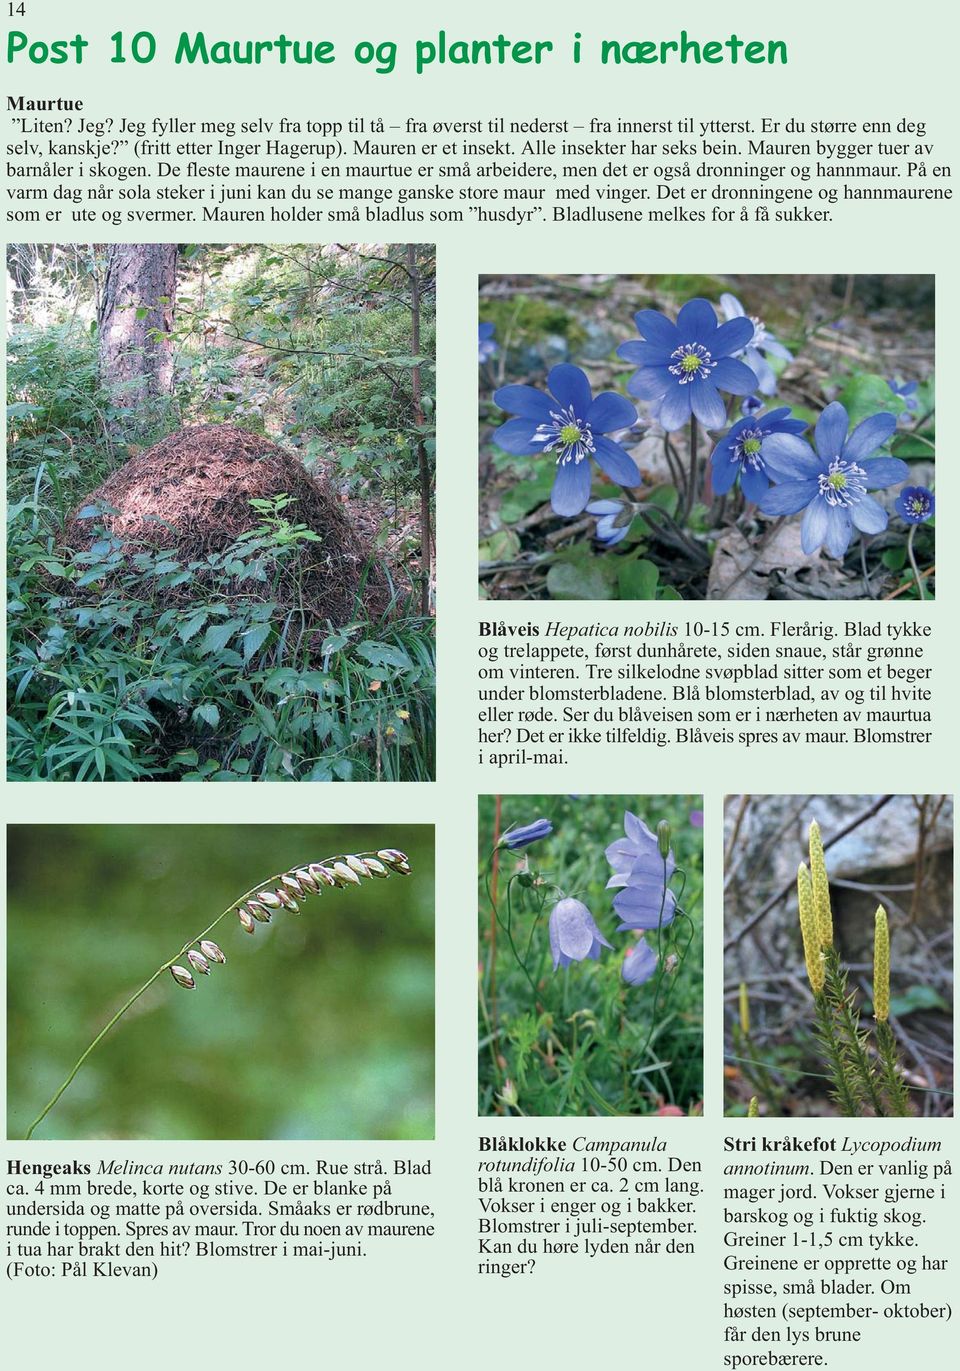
[753, 483]
[604, 507]
[639, 964]
[885, 471]
[649, 383]
[869, 515]
[644, 354]
[731, 306]
[570, 386]
[674, 409]
[733, 376]
[788, 498]
[697, 322]
[788, 458]
[516, 436]
[610, 412]
[571, 488]
[776, 349]
[616, 462]
[831, 431]
[706, 403]
[638, 910]
[724, 467]
[839, 530]
[761, 368]
[731, 337]
[525, 401]
[813, 529]
[657, 328]
[868, 436]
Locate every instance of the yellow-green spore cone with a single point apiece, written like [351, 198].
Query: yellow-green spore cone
[881, 967]
[821, 887]
[753, 1108]
[744, 1010]
[809, 930]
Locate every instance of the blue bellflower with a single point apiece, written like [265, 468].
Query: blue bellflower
[831, 485]
[761, 345]
[639, 964]
[916, 504]
[526, 834]
[741, 452]
[644, 901]
[684, 366]
[571, 424]
[574, 934]
[487, 344]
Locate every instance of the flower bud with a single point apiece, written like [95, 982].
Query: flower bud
[269, 899]
[344, 875]
[199, 962]
[663, 838]
[376, 869]
[509, 1094]
[358, 865]
[211, 951]
[256, 909]
[182, 977]
[246, 921]
[307, 882]
[397, 861]
[322, 874]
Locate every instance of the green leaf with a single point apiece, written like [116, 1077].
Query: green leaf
[207, 714]
[665, 497]
[867, 393]
[217, 636]
[383, 654]
[916, 997]
[525, 496]
[501, 546]
[254, 638]
[192, 626]
[895, 558]
[638, 580]
[580, 580]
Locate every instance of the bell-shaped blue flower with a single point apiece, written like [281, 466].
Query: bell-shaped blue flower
[574, 934]
[916, 504]
[831, 485]
[640, 963]
[571, 424]
[526, 834]
[645, 900]
[613, 517]
[683, 367]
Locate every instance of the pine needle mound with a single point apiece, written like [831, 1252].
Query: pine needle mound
[190, 495]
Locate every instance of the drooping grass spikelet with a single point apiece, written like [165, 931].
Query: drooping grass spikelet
[821, 887]
[881, 967]
[809, 930]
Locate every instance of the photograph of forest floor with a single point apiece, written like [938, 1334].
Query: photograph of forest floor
[220, 465]
[706, 437]
[838, 956]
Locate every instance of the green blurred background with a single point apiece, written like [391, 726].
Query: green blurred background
[320, 1026]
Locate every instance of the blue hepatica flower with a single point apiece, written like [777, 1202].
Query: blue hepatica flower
[907, 392]
[831, 485]
[613, 517]
[741, 452]
[574, 934]
[526, 834]
[639, 964]
[761, 345]
[644, 901]
[750, 406]
[487, 343]
[916, 504]
[684, 366]
[572, 424]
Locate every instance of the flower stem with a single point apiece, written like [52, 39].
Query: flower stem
[193, 942]
[913, 563]
[692, 487]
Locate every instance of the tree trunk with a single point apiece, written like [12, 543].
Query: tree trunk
[135, 320]
[423, 465]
